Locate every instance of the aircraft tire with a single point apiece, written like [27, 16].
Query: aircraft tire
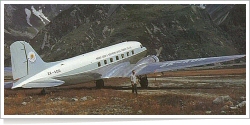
[99, 83]
[144, 82]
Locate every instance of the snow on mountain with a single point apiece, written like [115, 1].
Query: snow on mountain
[39, 14]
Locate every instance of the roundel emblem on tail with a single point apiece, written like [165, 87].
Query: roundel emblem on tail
[32, 57]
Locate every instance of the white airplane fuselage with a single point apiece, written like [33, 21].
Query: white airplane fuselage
[85, 67]
[30, 71]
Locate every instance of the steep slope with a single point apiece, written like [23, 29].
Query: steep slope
[183, 31]
[219, 12]
[235, 26]
[23, 21]
[232, 19]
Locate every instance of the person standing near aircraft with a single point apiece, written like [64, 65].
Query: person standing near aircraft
[133, 82]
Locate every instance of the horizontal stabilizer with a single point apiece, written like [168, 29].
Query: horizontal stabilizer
[43, 83]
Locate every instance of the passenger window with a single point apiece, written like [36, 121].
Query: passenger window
[127, 53]
[117, 57]
[99, 64]
[111, 59]
[122, 55]
[105, 62]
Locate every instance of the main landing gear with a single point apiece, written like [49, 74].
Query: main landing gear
[99, 83]
[43, 92]
[143, 79]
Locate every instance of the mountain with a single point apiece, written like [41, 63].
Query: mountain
[184, 31]
[24, 21]
[235, 26]
[231, 19]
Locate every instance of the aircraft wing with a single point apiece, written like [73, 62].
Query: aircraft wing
[8, 84]
[124, 69]
[179, 64]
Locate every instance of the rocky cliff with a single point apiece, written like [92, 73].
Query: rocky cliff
[24, 21]
[184, 31]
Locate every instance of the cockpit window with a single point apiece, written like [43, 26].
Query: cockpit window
[141, 46]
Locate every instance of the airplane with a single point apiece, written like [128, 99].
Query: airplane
[30, 71]
[7, 77]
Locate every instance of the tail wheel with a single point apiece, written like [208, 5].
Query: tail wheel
[99, 83]
[143, 81]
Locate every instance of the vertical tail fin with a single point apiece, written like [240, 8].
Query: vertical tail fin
[24, 60]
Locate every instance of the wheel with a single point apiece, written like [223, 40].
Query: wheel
[43, 92]
[99, 83]
[143, 81]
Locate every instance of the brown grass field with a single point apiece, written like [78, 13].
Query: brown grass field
[188, 92]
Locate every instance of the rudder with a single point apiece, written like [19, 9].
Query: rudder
[24, 60]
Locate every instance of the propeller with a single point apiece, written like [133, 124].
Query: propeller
[158, 51]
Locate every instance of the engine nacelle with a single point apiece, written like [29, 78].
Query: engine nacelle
[140, 64]
[147, 60]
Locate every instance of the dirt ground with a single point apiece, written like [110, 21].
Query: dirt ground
[187, 92]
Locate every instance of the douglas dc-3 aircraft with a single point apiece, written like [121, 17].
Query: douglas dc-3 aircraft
[30, 71]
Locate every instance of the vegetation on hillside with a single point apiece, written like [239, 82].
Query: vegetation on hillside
[183, 31]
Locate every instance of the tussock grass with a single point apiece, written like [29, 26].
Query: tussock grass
[117, 100]
[165, 104]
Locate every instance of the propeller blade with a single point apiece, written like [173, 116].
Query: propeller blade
[158, 51]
